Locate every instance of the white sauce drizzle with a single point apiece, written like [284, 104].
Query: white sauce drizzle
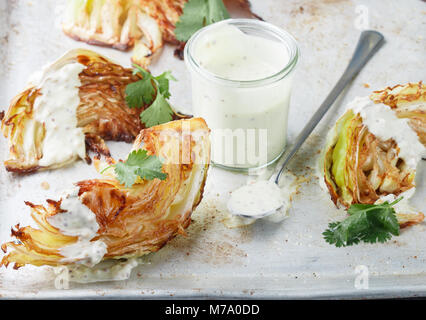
[108, 270]
[256, 198]
[56, 108]
[382, 121]
[79, 221]
[402, 206]
[417, 106]
[261, 196]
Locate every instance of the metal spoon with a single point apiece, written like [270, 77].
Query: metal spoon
[368, 44]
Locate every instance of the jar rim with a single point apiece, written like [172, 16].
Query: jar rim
[279, 33]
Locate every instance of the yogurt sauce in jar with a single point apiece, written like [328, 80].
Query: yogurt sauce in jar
[241, 82]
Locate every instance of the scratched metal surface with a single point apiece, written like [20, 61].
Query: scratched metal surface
[265, 260]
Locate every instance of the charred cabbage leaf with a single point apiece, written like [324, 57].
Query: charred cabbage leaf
[102, 113]
[408, 101]
[140, 24]
[360, 168]
[133, 221]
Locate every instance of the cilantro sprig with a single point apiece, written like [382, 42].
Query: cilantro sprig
[152, 91]
[138, 164]
[197, 14]
[369, 223]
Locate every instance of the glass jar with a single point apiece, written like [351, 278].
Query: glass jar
[241, 72]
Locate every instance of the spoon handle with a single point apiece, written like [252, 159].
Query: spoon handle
[368, 44]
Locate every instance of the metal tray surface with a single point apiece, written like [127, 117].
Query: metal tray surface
[265, 260]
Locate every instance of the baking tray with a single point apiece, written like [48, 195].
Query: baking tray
[264, 260]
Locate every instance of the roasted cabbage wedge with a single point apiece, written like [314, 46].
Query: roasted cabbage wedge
[123, 24]
[144, 25]
[102, 112]
[359, 167]
[131, 221]
[408, 101]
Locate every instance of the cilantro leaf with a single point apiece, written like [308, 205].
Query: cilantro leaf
[369, 223]
[151, 90]
[163, 83]
[139, 164]
[192, 19]
[198, 14]
[217, 11]
[159, 112]
[138, 69]
[139, 93]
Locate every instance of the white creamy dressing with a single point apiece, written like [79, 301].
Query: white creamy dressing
[417, 106]
[78, 220]
[229, 53]
[382, 121]
[261, 196]
[402, 206]
[107, 270]
[56, 109]
[257, 198]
